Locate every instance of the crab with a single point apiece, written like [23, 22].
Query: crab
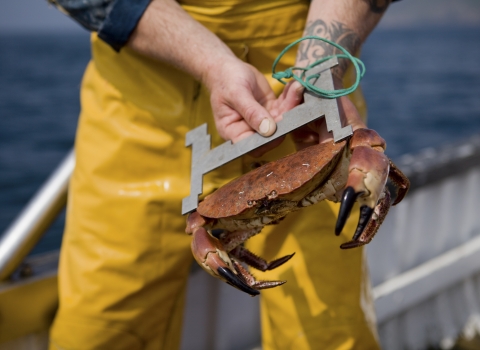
[354, 170]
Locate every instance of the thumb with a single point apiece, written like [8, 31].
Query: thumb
[256, 116]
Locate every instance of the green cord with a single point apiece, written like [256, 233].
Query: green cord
[305, 81]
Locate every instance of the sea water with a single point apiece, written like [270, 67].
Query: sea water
[422, 87]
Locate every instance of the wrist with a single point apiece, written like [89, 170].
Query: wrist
[216, 68]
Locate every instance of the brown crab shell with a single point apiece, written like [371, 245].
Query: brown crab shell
[290, 178]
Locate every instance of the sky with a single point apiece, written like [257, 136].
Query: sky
[38, 15]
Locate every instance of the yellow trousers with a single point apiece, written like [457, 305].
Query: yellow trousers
[125, 257]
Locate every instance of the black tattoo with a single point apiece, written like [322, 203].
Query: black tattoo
[379, 6]
[312, 50]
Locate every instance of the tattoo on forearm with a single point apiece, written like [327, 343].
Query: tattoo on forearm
[379, 6]
[312, 50]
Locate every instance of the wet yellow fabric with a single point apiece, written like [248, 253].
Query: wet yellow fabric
[125, 257]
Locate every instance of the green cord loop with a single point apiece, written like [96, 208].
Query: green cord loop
[305, 80]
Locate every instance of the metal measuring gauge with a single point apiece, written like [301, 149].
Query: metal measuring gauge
[205, 159]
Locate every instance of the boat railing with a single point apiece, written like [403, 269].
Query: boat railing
[30, 225]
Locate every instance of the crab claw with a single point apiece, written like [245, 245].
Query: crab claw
[348, 200]
[210, 252]
[368, 172]
[211, 256]
[374, 220]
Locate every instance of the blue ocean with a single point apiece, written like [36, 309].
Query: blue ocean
[422, 87]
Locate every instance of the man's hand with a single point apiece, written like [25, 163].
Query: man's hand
[243, 102]
[239, 97]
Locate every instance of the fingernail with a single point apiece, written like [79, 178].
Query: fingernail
[265, 126]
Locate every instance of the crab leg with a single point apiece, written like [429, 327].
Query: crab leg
[251, 281]
[400, 181]
[231, 242]
[257, 262]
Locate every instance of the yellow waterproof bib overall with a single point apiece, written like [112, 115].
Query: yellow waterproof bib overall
[125, 258]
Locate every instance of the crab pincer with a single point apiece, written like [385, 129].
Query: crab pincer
[368, 172]
[212, 250]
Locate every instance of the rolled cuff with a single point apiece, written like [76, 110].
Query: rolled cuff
[121, 21]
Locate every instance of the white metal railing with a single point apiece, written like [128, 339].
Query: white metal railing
[30, 225]
[410, 288]
[425, 259]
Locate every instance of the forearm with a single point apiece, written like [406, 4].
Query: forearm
[167, 33]
[239, 94]
[345, 22]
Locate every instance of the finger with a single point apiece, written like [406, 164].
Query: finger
[304, 137]
[349, 113]
[234, 130]
[319, 126]
[256, 116]
[290, 97]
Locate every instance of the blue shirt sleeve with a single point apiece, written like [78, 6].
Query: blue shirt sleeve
[114, 20]
[121, 21]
